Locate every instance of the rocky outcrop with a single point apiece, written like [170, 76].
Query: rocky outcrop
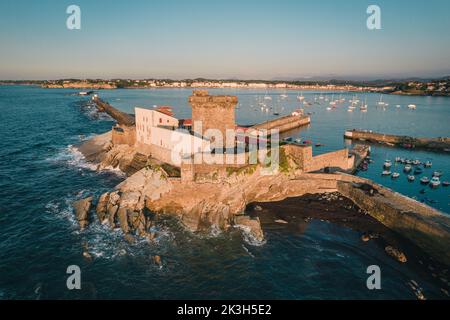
[82, 208]
[102, 207]
[96, 148]
[125, 207]
[106, 155]
[252, 226]
[396, 254]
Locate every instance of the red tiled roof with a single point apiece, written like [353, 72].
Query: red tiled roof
[167, 110]
[186, 122]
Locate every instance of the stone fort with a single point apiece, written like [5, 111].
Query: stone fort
[214, 112]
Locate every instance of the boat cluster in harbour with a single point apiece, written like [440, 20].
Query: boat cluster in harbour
[274, 103]
[413, 168]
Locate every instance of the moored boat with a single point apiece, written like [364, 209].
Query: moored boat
[418, 171]
[446, 183]
[387, 164]
[425, 180]
[386, 173]
[411, 178]
[437, 174]
[428, 164]
[435, 182]
[407, 168]
[395, 175]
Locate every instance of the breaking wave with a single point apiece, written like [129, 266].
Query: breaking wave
[248, 237]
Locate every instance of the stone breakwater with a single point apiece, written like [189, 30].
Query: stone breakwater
[435, 144]
[220, 201]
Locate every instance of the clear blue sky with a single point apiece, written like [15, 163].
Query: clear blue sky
[223, 39]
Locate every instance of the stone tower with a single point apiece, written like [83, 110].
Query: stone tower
[215, 112]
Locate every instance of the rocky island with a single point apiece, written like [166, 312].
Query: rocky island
[211, 196]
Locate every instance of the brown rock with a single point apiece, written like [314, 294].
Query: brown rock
[129, 238]
[150, 236]
[122, 215]
[87, 255]
[114, 198]
[82, 208]
[112, 211]
[395, 253]
[157, 260]
[102, 206]
[252, 226]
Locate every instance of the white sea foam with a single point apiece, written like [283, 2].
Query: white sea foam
[248, 251]
[72, 157]
[249, 238]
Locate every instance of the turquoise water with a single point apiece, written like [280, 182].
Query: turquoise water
[41, 175]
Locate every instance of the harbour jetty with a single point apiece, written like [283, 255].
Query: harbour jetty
[283, 124]
[122, 118]
[435, 144]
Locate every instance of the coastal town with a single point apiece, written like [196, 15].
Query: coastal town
[421, 87]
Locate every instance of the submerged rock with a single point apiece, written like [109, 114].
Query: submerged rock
[129, 238]
[87, 255]
[157, 260]
[395, 253]
[82, 208]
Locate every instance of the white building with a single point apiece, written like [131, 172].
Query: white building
[157, 133]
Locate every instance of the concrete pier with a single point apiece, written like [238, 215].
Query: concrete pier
[122, 118]
[284, 124]
[435, 144]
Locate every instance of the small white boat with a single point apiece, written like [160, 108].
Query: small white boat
[428, 164]
[298, 140]
[395, 175]
[398, 159]
[386, 173]
[416, 162]
[398, 106]
[437, 174]
[435, 182]
[387, 164]
[425, 180]
[411, 178]
[412, 106]
[407, 168]
[381, 103]
[349, 110]
[329, 108]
